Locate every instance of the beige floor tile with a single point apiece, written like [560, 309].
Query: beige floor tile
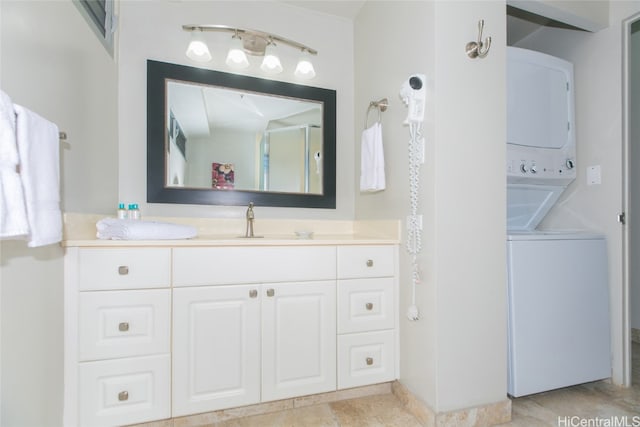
[308, 416]
[373, 411]
[598, 399]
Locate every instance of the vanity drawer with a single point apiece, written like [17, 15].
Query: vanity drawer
[365, 305]
[365, 358]
[124, 323]
[230, 265]
[124, 268]
[124, 391]
[365, 261]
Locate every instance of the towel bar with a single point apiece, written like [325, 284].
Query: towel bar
[381, 105]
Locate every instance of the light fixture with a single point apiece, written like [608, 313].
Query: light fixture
[304, 69]
[271, 63]
[198, 50]
[255, 43]
[236, 58]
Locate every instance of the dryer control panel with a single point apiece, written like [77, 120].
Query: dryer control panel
[548, 167]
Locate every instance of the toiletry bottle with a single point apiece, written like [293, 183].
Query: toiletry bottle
[122, 212]
[134, 212]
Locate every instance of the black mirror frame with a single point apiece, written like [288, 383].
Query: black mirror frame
[158, 192]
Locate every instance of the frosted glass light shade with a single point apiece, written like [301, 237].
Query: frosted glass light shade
[271, 63]
[197, 49]
[236, 58]
[304, 69]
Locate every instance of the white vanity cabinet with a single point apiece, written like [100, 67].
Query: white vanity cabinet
[236, 343]
[216, 348]
[367, 315]
[298, 339]
[117, 335]
[154, 332]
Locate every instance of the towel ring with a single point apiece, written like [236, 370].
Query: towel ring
[380, 105]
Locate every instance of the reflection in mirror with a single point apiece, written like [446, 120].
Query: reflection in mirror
[219, 138]
[242, 140]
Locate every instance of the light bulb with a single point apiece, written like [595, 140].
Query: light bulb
[304, 69]
[198, 50]
[236, 58]
[271, 63]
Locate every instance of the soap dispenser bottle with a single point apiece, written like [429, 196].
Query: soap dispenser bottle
[134, 211]
[122, 212]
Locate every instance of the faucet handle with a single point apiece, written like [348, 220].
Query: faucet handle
[250, 214]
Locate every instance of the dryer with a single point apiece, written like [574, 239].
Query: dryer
[558, 319]
[541, 142]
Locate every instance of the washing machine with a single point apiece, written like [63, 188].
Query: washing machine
[558, 311]
[558, 320]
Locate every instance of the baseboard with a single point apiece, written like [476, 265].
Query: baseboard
[211, 418]
[479, 416]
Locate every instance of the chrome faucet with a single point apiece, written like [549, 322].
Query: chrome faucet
[250, 217]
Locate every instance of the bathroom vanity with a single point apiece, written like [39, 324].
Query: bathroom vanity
[155, 330]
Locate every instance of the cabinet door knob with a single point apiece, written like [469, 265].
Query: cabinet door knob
[123, 395]
[369, 361]
[253, 293]
[123, 270]
[270, 292]
[369, 263]
[369, 306]
[123, 326]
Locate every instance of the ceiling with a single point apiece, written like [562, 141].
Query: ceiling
[345, 8]
[520, 24]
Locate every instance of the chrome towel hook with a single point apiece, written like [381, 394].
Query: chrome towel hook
[479, 49]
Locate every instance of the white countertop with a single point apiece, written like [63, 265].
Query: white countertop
[80, 231]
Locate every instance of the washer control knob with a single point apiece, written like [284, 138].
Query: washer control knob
[524, 168]
[570, 164]
[534, 168]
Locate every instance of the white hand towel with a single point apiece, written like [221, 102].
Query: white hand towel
[372, 177]
[13, 214]
[135, 229]
[39, 150]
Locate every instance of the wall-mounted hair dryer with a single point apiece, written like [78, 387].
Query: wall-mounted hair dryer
[317, 156]
[413, 94]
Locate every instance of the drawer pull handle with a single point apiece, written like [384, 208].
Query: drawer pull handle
[369, 361]
[123, 270]
[369, 263]
[270, 292]
[253, 293]
[123, 326]
[123, 395]
[369, 306]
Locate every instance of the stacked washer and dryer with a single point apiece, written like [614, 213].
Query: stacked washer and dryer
[559, 332]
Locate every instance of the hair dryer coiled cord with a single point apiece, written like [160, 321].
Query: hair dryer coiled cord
[414, 225]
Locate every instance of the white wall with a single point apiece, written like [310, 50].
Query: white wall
[47, 56]
[455, 356]
[153, 30]
[597, 60]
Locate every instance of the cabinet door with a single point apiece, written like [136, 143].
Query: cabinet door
[299, 339]
[216, 348]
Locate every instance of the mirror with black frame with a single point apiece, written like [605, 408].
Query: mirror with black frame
[226, 139]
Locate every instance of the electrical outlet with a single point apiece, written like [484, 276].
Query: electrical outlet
[594, 175]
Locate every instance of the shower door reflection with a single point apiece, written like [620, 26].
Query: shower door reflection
[291, 159]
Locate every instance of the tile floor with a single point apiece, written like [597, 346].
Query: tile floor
[572, 406]
[588, 402]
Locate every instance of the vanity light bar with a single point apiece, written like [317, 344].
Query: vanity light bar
[254, 41]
